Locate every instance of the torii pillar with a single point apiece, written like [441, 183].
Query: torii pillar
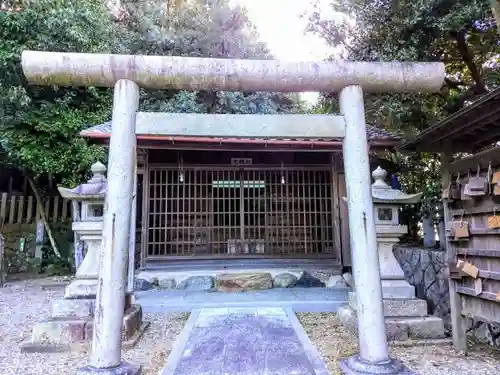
[128, 73]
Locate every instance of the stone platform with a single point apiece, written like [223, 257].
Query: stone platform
[235, 280]
[296, 299]
[71, 324]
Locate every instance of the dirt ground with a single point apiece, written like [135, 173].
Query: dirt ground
[334, 342]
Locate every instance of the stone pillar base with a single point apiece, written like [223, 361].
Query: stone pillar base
[125, 368]
[71, 323]
[356, 366]
[405, 319]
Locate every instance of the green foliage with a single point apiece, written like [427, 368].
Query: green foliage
[40, 125]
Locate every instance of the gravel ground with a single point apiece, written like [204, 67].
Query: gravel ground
[335, 342]
[24, 303]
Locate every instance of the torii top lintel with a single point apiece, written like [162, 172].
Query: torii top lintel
[189, 73]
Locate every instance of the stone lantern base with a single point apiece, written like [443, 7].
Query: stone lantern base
[71, 323]
[405, 319]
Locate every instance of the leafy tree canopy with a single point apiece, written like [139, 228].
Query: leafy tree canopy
[460, 33]
[39, 124]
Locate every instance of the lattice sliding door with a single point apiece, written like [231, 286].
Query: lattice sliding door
[285, 212]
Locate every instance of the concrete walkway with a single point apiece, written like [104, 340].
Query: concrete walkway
[297, 299]
[244, 341]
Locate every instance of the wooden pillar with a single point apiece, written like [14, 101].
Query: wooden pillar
[145, 211]
[459, 329]
[131, 241]
[336, 205]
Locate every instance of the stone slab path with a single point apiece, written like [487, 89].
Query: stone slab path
[298, 299]
[244, 341]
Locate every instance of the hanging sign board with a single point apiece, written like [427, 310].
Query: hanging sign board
[241, 161]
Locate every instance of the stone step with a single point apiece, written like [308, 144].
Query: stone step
[81, 289]
[405, 307]
[398, 307]
[73, 308]
[414, 328]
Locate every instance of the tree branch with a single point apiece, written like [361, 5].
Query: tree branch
[468, 58]
[453, 84]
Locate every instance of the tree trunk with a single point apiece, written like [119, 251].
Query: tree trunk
[495, 7]
[43, 217]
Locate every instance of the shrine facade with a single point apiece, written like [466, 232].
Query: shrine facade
[216, 196]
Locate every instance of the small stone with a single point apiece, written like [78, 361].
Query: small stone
[336, 281]
[197, 283]
[284, 280]
[347, 276]
[167, 283]
[148, 277]
[131, 322]
[309, 281]
[141, 284]
[239, 282]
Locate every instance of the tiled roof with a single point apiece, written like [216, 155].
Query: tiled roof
[104, 130]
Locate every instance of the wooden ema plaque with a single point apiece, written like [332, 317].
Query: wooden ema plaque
[461, 229]
[493, 222]
[495, 179]
[468, 268]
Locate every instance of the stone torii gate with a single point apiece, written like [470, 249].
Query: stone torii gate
[126, 74]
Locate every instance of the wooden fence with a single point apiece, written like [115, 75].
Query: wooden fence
[18, 209]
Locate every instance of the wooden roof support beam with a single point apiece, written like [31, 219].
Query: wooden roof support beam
[476, 122]
[189, 73]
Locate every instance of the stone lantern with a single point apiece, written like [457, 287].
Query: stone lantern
[387, 203]
[405, 315]
[72, 317]
[88, 223]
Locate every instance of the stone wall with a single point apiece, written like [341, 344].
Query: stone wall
[426, 269]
